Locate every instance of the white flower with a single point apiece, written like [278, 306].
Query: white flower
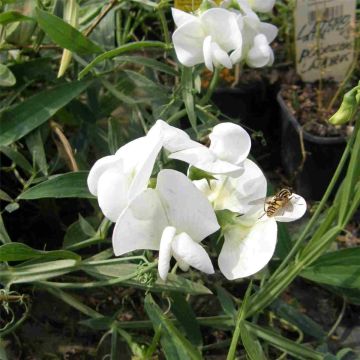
[173, 218]
[237, 194]
[262, 5]
[213, 38]
[230, 146]
[119, 178]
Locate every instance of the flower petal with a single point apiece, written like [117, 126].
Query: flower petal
[230, 142]
[186, 207]
[174, 139]
[186, 250]
[188, 40]
[181, 17]
[141, 224]
[207, 53]
[294, 210]
[262, 5]
[247, 249]
[99, 168]
[220, 56]
[261, 53]
[165, 251]
[269, 30]
[238, 194]
[113, 189]
[222, 26]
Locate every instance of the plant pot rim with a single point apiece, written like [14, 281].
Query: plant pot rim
[308, 136]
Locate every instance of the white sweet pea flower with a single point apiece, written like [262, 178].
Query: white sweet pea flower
[119, 178]
[250, 244]
[237, 194]
[260, 54]
[229, 147]
[263, 6]
[214, 37]
[173, 218]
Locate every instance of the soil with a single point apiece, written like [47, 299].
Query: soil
[308, 107]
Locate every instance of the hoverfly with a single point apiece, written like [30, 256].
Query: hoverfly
[277, 202]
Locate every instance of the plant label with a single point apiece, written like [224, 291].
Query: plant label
[325, 38]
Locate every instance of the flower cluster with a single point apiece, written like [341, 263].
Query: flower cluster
[177, 214]
[225, 35]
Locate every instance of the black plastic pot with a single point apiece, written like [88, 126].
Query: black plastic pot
[253, 105]
[322, 155]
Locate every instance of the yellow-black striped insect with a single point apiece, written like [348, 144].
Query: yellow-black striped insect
[279, 201]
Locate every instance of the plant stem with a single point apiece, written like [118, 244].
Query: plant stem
[211, 88]
[164, 24]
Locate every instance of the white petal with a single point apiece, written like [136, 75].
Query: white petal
[190, 252]
[294, 210]
[247, 250]
[99, 168]
[220, 56]
[188, 40]
[175, 139]
[236, 55]
[238, 194]
[262, 5]
[222, 25]
[145, 167]
[181, 17]
[141, 224]
[165, 251]
[186, 207]
[261, 53]
[132, 153]
[207, 53]
[113, 187]
[269, 30]
[230, 142]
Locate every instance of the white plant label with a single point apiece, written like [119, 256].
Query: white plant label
[325, 38]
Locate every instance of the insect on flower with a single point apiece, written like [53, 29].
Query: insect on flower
[277, 202]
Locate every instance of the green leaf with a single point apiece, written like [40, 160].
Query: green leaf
[35, 145]
[7, 78]
[284, 243]
[173, 283]
[4, 236]
[20, 252]
[148, 62]
[69, 185]
[65, 35]
[22, 118]
[17, 158]
[174, 344]
[298, 351]
[251, 344]
[226, 301]
[188, 96]
[120, 50]
[179, 308]
[339, 268]
[13, 16]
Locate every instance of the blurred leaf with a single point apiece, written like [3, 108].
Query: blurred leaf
[19, 252]
[174, 344]
[7, 78]
[4, 236]
[303, 322]
[138, 45]
[114, 135]
[36, 272]
[284, 243]
[67, 185]
[188, 96]
[179, 308]
[339, 268]
[75, 234]
[13, 16]
[22, 118]
[226, 301]
[173, 283]
[298, 351]
[17, 158]
[65, 35]
[35, 145]
[4, 196]
[101, 323]
[149, 62]
[86, 227]
[251, 344]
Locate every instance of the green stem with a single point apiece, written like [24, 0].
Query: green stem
[211, 88]
[164, 24]
[134, 46]
[318, 211]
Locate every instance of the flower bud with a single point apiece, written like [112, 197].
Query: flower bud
[348, 107]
